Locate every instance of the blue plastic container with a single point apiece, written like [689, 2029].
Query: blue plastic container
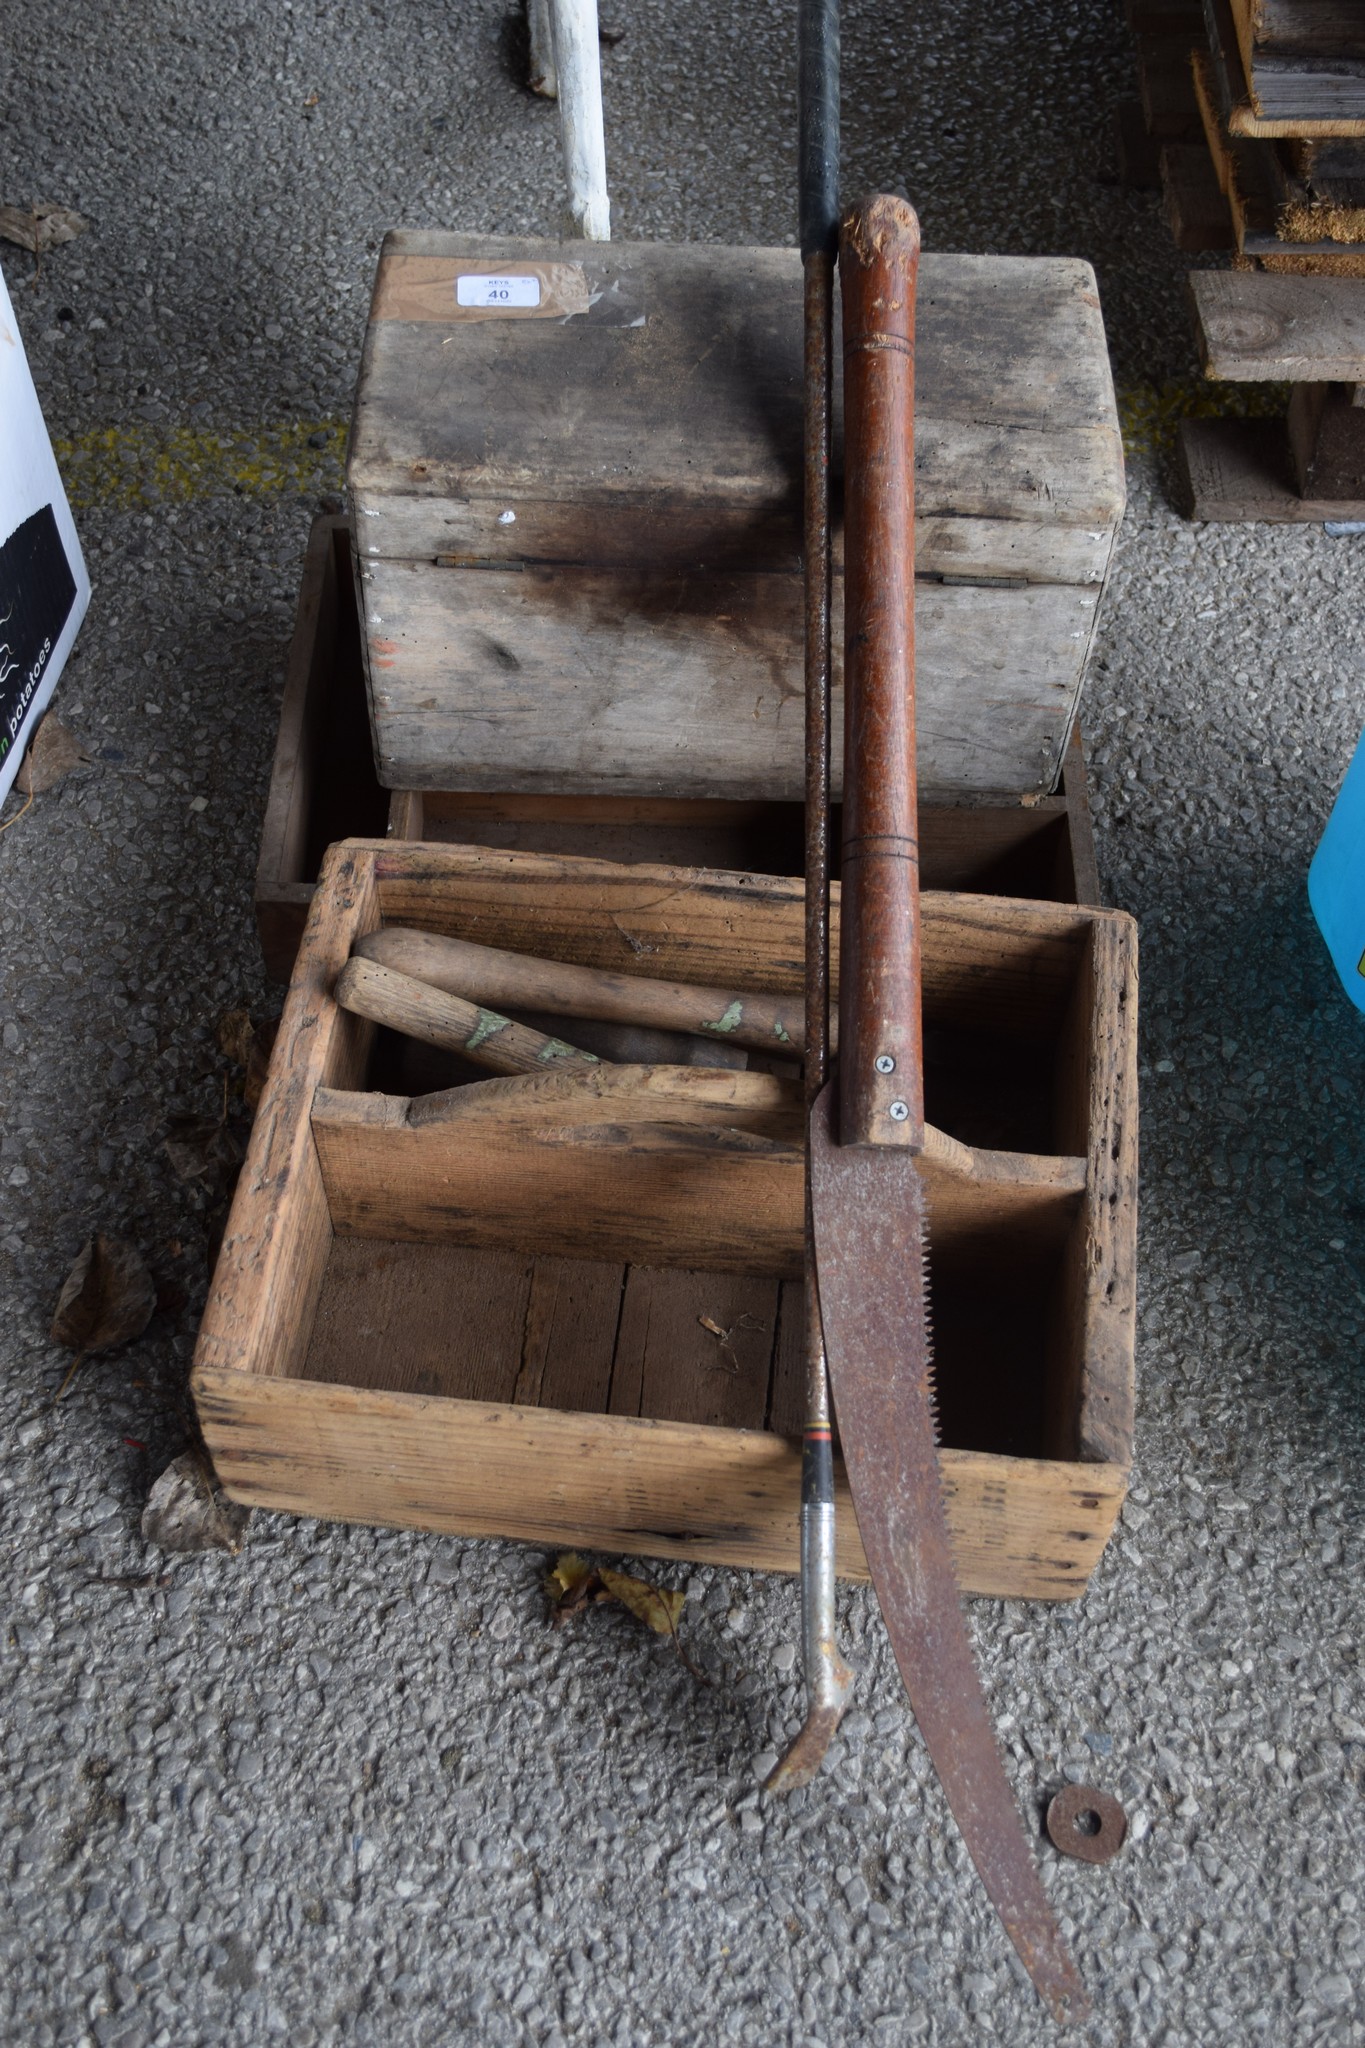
[1336, 881]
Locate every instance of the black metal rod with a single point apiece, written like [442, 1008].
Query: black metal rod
[828, 1679]
[818, 141]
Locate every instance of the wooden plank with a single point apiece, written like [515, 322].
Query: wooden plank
[1022, 1528]
[1327, 442]
[1325, 28]
[270, 1268]
[1168, 102]
[322, 780]
[1034, 546]
[1078, 874]
[1093, 1323]
[671, 1364]
[461, 1316]
[706, 398]
[1256, 328]
[1231, 470]
[570, 1335]
[585, 681]
[1314, 67]
[985, 959]
[1195, 206]
[583, 1175]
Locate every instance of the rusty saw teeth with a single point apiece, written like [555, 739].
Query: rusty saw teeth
[871, 1232]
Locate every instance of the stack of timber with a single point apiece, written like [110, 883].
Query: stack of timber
[1290, 162]
[1161, 143]
[1274, 173]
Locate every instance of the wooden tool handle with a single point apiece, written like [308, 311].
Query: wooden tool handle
[490, 1040]
[518, 981]
[881, 1085]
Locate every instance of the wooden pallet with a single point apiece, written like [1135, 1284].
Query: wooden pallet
[1309, 466]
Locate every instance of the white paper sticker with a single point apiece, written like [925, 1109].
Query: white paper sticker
[494, 292]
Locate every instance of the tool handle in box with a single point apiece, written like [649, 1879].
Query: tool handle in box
[881, 1062]
[380, 993]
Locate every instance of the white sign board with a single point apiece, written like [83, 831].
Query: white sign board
[44, 589]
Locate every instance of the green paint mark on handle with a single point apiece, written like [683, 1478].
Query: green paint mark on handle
[733, 1017]
[556, 1049]
[488, 1026]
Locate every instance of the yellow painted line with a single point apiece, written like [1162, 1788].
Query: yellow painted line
[140, 465]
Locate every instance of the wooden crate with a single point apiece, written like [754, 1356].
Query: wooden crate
[482, 1312]
[578, 523]
[323, 787]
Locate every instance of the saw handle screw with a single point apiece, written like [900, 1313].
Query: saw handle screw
[898, 1112]
[884, 1063]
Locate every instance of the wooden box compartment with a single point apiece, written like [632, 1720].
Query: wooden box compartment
[578, 518]
[323, 787]
[566, 1308]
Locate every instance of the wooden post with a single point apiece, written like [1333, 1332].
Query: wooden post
[541, 73]
[579, 73]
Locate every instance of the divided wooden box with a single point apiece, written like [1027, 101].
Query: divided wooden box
[323, 787]
[578, 518]
[568, 1309]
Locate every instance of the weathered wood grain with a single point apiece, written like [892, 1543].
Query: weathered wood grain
[588, 681]
[1253, 327]
[1093, 1334]
[986, 959]
[1235, 469]
[367, 988]
[1022, 1528]
[601, 1172]
[706, 397]
[695, 1347]
[449, 1303]
[1303, 61]
[569, 1339]
[342, 1189]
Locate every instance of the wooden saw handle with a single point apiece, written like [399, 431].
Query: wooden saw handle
[879, 992]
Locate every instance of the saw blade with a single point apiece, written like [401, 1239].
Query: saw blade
[871, 1244]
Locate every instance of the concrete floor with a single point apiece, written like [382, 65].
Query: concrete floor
[347, 1787]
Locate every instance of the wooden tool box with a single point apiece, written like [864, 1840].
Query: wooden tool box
[578, 517]
[323, 787]
[567, 1309]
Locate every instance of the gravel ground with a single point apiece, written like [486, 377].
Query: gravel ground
[347, 1787]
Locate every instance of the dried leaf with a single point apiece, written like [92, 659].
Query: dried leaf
[53, 753]
[571, 1585]
[107, 1298]
[658, 1607]
[235, 1033]
[40, 227]
[188, 1510]
[201, 1148]
[566, 1574]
